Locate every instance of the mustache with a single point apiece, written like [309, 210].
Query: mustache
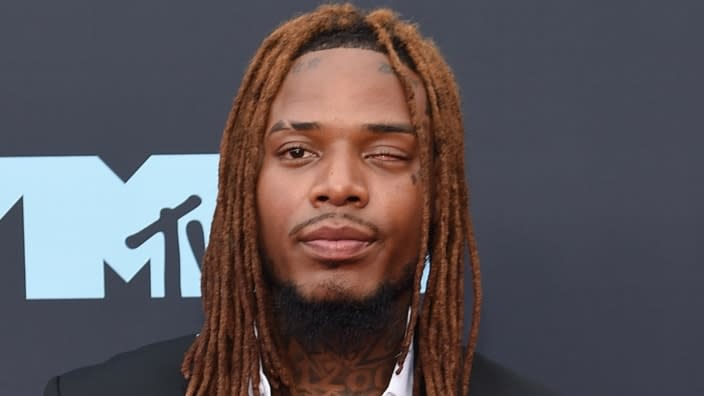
[358, 220]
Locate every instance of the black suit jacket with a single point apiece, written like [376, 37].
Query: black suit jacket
[155, 370]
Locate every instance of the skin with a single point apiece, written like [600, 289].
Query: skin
[339, 203]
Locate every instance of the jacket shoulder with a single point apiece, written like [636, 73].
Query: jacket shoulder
[154, 369]
[491, 379]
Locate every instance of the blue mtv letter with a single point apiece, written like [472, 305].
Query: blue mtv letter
[79, 216]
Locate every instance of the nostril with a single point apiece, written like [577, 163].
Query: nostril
[353, 199]
[322, 198]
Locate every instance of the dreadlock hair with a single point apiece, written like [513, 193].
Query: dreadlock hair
[237, 336]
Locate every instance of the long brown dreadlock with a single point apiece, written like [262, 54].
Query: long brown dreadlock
[236, 335]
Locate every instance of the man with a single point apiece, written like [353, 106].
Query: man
[341, 178]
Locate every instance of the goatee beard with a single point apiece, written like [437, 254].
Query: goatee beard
[343, 322]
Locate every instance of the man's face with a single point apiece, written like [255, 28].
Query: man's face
[338, 197]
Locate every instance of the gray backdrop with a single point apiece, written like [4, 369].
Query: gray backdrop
[584, 130]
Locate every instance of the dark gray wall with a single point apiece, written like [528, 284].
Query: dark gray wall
[584, 156]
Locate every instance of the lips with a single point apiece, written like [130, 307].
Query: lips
[336, 243]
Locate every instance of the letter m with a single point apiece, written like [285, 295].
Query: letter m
[78, 213]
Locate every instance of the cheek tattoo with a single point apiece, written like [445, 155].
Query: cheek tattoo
[414, 176]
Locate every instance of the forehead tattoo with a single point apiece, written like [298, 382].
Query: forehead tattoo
[385, 68]
[302, 65]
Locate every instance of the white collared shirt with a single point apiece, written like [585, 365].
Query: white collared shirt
[401, 384]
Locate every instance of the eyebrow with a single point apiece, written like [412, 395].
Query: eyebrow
[283, 125]
[393, 127]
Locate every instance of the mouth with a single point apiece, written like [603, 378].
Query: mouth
[334, 245]
[332, 251]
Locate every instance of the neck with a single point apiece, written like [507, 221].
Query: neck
[349, 367]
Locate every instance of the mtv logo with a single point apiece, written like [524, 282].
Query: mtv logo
[79, 217]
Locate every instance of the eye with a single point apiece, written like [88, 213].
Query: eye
[293, 153]
[296, 152]
[384, 154]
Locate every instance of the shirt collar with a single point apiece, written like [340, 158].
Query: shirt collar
[401, 384]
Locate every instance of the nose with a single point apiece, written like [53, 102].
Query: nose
[340, 182]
